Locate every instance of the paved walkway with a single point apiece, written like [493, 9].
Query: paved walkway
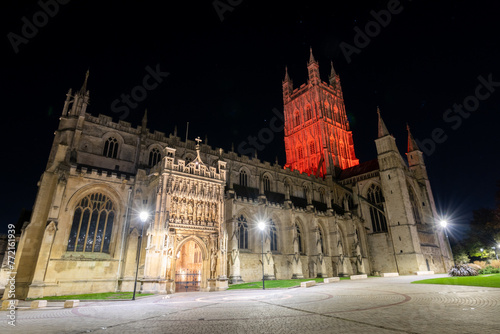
[374, 305]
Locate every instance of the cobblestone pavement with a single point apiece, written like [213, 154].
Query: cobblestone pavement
[374, 305]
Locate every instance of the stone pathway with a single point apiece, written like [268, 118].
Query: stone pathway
[373, 305]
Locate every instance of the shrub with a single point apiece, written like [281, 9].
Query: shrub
[462, 270]
[481, 264]
[489, 270]
[461, 258]
[474, 266]
[495, 264]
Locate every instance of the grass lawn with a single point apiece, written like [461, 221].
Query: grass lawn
[98, 296]
[283, 283]
[491, 281]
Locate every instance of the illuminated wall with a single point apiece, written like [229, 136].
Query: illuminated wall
[317, 134]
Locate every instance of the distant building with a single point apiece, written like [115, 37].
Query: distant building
[326, 214]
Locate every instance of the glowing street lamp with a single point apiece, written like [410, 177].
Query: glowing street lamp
[261, 227]
[143, 216]
[443, 223]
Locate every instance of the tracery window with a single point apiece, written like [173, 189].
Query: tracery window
[243, 178]
[111, 148]
[242, 233]
[154, 157]
[308, 113]
[311, 147]
[273, 236]
[320, 239]
[299, 238]
[301, 153]
[379, 223]
[297, 118]
[267, 183]
[92, 224]
[322, 195]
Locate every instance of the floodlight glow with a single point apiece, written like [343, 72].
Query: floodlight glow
[261, 226]
[443, 223]
[143, 216]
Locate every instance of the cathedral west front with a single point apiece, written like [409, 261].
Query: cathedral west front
[325, 213]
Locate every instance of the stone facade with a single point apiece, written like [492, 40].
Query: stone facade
[205, 204]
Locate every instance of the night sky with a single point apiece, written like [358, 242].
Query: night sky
[225, 78]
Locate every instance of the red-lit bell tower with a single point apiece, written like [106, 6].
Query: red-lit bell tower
[317, 134]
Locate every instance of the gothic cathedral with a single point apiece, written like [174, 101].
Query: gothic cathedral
[325, 213]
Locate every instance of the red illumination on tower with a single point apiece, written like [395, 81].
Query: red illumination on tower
[317, 134]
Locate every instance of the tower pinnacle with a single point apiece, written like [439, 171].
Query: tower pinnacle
[83, 90]
[412, 144]
[382, 129]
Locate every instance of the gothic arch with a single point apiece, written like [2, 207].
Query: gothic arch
[270, 178]
[114, 197]
[150, 149]
[119, 141]
[342, 236]
[299, 225]
[324, 236]
[198, 241]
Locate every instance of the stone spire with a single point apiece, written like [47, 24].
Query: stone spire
[287, 77]
[83, 90]
[332, 71]
[412, 144]
[287, 87]
[382, 129]
[311, 57]
[334, 79]
[313, 70]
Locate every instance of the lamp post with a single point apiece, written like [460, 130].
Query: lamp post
[143, 216]
[444, 225]
[262, 226]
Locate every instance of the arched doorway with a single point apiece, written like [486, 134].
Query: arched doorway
[188, 267]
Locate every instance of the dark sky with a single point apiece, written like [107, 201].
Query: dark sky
[225, 78]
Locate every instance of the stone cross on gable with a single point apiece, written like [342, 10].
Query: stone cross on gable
[198, 140]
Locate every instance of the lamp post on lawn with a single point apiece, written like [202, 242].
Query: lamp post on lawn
[143, 216]
[262, 226]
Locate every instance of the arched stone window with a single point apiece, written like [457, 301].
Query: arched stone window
[379, 223]
[110, 148]
[297, 118]
[154, 157]
[267, 183]
[92, 224]
[301, 153]
[320, 240]
[414, 206]
[299, 238]
[242, 233]
[243, 178]
[273, 236]
[312, 148]
[322, 195]
[347, 202]
[308, 113]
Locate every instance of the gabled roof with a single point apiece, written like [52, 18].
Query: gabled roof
[362, 168]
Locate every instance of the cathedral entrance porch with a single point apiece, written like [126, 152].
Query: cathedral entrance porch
[188, 268]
